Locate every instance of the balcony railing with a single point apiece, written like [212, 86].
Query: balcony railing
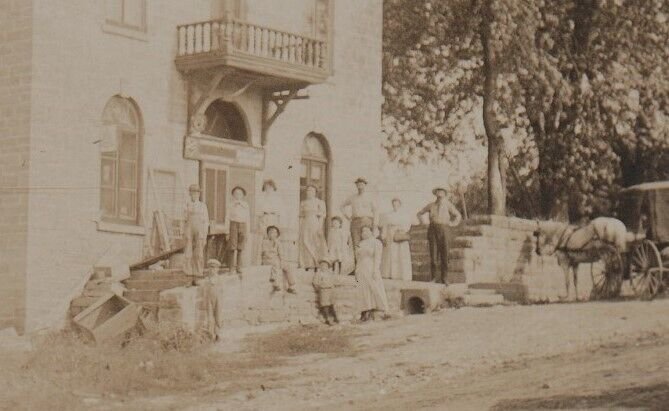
[209, 40]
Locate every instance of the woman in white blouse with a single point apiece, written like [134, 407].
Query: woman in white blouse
[396, 260]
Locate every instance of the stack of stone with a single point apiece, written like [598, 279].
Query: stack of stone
[99, 285]
[497, 252]
[250, 300]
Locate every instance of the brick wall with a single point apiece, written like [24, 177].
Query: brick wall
[499, 252]
[15, 110]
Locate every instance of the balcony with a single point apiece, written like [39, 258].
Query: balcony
[270, 58]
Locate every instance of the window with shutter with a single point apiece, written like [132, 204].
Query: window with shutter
[120, 162]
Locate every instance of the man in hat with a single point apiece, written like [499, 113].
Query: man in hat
[443, 215]
[363, 210]
[196, 230]
[238, 220]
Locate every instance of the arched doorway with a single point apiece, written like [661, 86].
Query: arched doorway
[315, 166]
[224, 120]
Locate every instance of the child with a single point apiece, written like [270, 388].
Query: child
[238, 220]
[338, 244]
[271, 255]
[324, 284]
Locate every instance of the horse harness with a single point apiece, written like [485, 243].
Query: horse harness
[576, 255]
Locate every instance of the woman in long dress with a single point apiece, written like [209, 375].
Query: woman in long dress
[396, 261]
[312, 245]
[368, 275]
[269, 207]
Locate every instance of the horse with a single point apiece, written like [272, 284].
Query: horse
[573, 245]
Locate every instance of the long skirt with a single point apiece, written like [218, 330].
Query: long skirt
[312, 244]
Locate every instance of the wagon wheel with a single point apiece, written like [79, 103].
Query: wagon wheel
[645, 270]
[607, 282]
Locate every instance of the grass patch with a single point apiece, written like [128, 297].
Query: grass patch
[63, 372]
[302, 340]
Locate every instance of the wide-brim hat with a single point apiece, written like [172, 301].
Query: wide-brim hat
[194, 188]
[238, 188]
[434, 191]
[273, 227]
[361, 180]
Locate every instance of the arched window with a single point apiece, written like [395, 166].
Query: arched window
[315, 166]
[224, 120]
[120, 162]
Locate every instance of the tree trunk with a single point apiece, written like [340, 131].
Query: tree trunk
[497, 162]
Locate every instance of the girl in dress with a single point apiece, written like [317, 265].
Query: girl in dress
[339, 246]
[368, 275]
[312, 245]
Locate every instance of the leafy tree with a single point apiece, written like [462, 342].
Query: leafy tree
[582, 83]
[442, 62]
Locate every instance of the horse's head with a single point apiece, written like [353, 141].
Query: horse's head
[547, 236]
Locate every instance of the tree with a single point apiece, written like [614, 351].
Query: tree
[584, 83]
[596, 97]
[441, 63]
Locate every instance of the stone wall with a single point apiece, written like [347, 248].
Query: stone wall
[250, 301]
[499, 253]
[16, 53]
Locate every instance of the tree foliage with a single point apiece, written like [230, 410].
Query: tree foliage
[584, 84]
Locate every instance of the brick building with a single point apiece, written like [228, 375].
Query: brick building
[109, 109]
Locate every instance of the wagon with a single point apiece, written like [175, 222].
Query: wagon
[644, 209]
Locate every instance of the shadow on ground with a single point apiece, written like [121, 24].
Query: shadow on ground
[651, 397]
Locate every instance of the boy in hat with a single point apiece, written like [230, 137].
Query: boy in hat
[196, 230]
[443, 215]
[324, 284]
[271, 254]
[238, 220]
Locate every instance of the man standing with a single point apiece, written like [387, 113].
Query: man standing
[443, 214]
[196, 230]
[363, 211]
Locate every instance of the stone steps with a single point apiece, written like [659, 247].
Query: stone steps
[158, 275]
[143, 296]
[160, 284]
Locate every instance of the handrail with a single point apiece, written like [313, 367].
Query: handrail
[234, 35]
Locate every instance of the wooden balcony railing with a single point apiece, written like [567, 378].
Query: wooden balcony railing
[238, 38]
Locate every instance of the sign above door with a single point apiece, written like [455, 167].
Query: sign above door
[216, 150]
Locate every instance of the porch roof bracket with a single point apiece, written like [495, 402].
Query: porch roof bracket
[213, 85]
[280, 101]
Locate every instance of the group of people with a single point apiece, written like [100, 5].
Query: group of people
[377, 245]
[374, 248]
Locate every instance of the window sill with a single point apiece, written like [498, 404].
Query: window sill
[128, 32]
[108, 227]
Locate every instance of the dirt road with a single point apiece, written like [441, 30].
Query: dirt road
[563, 356]
[525, 357]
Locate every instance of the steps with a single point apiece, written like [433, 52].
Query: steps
[144, 286]
[99, 285]
[472, 296]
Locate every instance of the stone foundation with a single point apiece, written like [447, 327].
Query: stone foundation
[495, 252]
[250, 301]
